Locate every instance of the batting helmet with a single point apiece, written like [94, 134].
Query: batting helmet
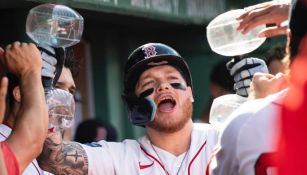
[147, 56]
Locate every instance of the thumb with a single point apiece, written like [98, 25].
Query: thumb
[2, 63]
[273, 31]
[1, 53]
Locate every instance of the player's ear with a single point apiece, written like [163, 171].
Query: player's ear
[191, 94]
[16, 94]
[192, 99]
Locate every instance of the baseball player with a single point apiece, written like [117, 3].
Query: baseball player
[292, 149]
[249, 143]
[158, 95]
[30, 124]
[15, 103]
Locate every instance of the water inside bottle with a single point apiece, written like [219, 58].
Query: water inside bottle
[57, 117]
[224, 38]
[54, 25]
[61, 108]
[222, 107]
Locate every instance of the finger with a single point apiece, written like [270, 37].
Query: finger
[273, 31]
[3, 92]
[248, 73]
[49, 67]
[253, 7]
[242, 16]
[258, 6]
[259, 76]
[16, 44]
[8, 47]
[23, 44]
[49, 59]
[243, 91]
[257, 21]
[283, 79]
[242, 84]
[3, 89]
[2, 67]
[1, 53]
[248, 63]
[250, 18]
[33, 45]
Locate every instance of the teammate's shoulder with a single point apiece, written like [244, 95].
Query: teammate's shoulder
[251, 106]
[204, 129]
[243, 115]
[233, 125]
[257, 104]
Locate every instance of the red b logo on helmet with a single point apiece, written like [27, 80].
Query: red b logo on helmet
[150, 51]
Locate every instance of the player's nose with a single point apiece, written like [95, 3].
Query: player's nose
[164, 86]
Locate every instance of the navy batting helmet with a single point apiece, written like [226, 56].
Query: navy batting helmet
[150, 55]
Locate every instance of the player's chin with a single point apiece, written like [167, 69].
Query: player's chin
[168, 125]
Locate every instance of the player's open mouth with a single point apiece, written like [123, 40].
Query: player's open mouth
[166, 104]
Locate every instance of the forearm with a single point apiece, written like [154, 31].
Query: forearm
[34, 107]
[31, 125]
[64, 158]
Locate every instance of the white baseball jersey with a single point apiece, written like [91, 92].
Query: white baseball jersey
[248, 140]
[133, 157]
[33, 168]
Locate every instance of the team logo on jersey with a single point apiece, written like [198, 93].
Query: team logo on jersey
[93, 144]
[145, 166]
[150, 51]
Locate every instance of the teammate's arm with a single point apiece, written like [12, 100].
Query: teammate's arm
[60, 157]
[224, 159]
[30, 130]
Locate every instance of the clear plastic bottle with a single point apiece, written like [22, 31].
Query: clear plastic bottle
[54, 25]
[224, 39]
[222, 107]
[61, 109]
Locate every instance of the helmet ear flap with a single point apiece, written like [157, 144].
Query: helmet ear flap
[141, 111]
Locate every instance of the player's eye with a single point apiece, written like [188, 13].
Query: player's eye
[148, 85]
[147, 92]
[179, 86]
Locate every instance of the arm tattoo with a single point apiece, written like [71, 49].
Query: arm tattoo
[64, 158]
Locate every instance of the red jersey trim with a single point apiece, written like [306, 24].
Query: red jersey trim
[37, 169]
[155, 159]
[199, 150]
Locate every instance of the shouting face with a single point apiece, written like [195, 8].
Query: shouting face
[165, 86]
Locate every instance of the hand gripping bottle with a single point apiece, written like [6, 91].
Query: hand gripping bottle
[55, 27]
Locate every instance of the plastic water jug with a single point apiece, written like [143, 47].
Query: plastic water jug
[225, 39]
[222, 107]
[61, 109]
[54, 25]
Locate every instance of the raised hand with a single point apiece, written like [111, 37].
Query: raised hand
[22, 58]
[273, 12]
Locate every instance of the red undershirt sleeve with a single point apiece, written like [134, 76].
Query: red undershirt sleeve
[9, 158]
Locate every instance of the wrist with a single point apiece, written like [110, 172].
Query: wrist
[31, 74]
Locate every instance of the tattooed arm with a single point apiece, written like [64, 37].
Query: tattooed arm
[61, 157]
